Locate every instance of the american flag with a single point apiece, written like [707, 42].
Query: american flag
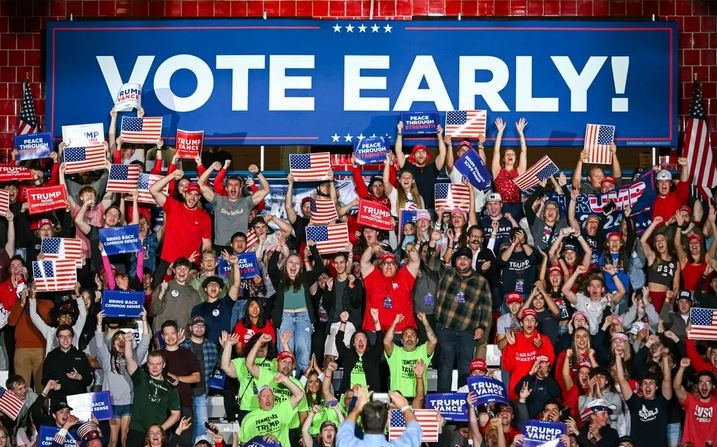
[143, 184]
[310, 167]
[330, 238]
[323, 211]
[251, 239]
[449, 196]
[704, 324]
[697, 146]
[123, 178]
[10, 404]
[427, 419]
[543, 169]
[598, 139]
[141, 130]
[28, 117]
[62, 248]
[465, 123]
[84, 159]
[4, 202]
[54, 276]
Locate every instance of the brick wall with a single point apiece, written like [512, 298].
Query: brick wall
[22, 23]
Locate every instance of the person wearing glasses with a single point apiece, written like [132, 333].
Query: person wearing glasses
[67, 365]
[700, 408]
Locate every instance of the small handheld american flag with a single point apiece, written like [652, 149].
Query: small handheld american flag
[427, 419]
[84, 159]
[10, 404]
[323, 211]
[123, 178]
[331, 238]
[310, 167]
[143, 184]
[465, 123]
[703, 324]
[4, 202]
[598, 139]
[543, 169]
[449, 196]
[54, 276]
[141, 130]
[28, 116]
[62, 248]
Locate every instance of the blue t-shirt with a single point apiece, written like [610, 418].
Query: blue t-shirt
[218, 316]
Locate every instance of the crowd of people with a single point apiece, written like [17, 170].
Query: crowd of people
[591, 316]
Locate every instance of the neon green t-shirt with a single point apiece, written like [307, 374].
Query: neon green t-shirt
[282, 393]
[326, 414]
[401, 364]
[358, 377]
[268, 422]
[248, 386]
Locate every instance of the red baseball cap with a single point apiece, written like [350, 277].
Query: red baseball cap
[387, 257]
[529, 313]
[513, 297]
[478, 365]
[614, 234]
[43, 222]
[193, 187]
[555, 268]
[285, 355]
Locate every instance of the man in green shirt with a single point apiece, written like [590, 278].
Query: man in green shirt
[272, 417]
[402, 358]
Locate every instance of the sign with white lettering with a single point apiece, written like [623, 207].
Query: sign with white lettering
[542, 433]
[86, 405]
[452, 406]
[487, 389]
[129, 97]
[328, 82]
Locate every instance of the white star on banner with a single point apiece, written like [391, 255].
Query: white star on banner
[373, 135]
[374, 28]
[362, 28]
[349, 28]
[348, 137]
[387, 28]
[337, 28]
[361, 136]
[335, 138]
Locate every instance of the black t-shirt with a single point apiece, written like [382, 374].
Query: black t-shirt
[648, 420]
[548, 325]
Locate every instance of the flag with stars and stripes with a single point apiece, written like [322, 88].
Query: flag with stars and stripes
[449, 196]
[703, 324]
[543, 169]
[697, 147]
[427, 419]
[10, 404]
[310, 167]
[54, 276]
[143, 184]
[28, 116]
[62, 248]
[323, 211]
[141, 130]
[84, 159]
[4, 202]
[251, 239]
[331, 238]
[465, 123]
[123, 178]
[598, 142]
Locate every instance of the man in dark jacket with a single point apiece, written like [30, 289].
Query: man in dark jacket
[356, 361]
[67, 365]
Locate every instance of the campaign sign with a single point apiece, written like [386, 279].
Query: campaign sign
[189, 143]
[248, 265]
[46, 198]
[259, 441]
[46, 437]
[118, 240]
[15, 173]
[419, 123]
[374, 215]
[129, 97]
[86, 405]
[83, 135]
[487, 389]
[370, 150]
[224, 268]
[33, 146]
[217, 379]
[452, 406]
[122, 303]
[542, 433]
[472, 167]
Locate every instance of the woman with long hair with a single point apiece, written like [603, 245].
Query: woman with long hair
[254, 322]
[293, 309]
[570, 362]
[663, 273]
[507, 168]
[405, 196]
[694, 260]
[116, 378]
[155, 437]
[319, 403]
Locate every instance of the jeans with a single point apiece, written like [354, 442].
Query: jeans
[299, 324]
[456, 346]
[238, 311]
[201, 415]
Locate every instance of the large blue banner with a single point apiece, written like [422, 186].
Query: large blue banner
[314, 82]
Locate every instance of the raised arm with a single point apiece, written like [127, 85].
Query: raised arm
[227, 341]
[158, 186]
[441, 157]
[666, 387]
[495, 163]
[616, 170]
[523, 160]
[578, 172]
[398, 147]
[296, 393]
[261, 194]
[251, 365]
[679, 389]
[388, 337]
[388, 187]
[131, 361]
[80, 223]
[288, 200]
[366, 264]
[207, 192]
[432, 339]
[568, 286]
[625, 389]
[645, 239]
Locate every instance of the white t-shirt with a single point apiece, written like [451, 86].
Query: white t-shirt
[593, 309]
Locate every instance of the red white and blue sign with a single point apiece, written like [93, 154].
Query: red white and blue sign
[542, 433]
[371, 150]
[325, 82]
[33, 146]
[420, 123]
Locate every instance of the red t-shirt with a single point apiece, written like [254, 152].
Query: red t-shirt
[398, 289]
[700, 420]
[668, 205]
[184, 230]
[245, 334]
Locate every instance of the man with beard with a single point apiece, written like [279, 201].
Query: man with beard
[188, 228]
[231, 212]
[649, 413]
[463, 312]
[700, 410]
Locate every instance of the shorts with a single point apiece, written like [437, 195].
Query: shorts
[118, 411]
